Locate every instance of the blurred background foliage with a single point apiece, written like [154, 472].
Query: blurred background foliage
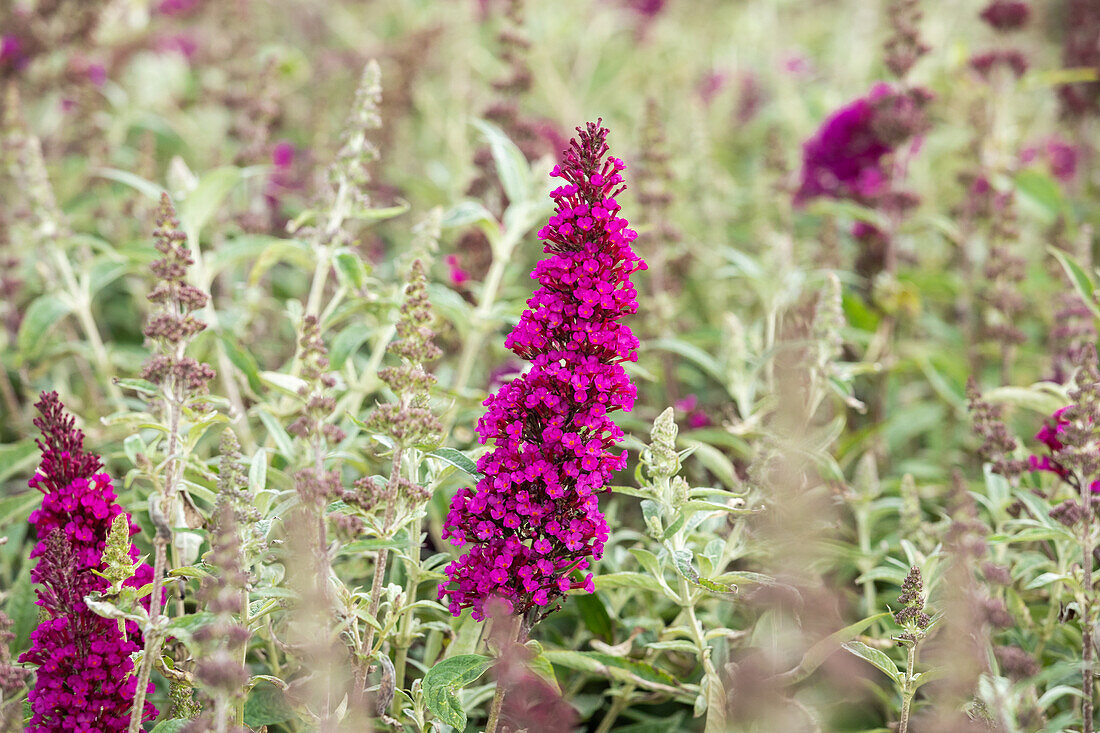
[236, 109]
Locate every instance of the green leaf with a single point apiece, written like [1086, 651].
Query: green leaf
[205, 199]
[647, 560]
[257, 471]
[42, 315]
[141, 386]
[134, 447]
[1040, 193]
[875, 657]
[280, 250]
[185, 627]
[716, 704]
[639, 581]
[593, 612]
[820, 651]
[346, 343]
[15, 458]
[510, 162]
[466, 213]
[1035, 534]
[103, 274]
[380, 213]
[445, 679]
[266, 705]
[1036, 397]
[541, 666]
[243, 360]
[371, 545]
[704, 361]
[618, 668]
[715, 462]
[350, 269]
[150, 189]
[18, 507]
[682, 559]
[285, 383]
[458, 459]
[632, 491]
[278, 433]
[22, 610]
[664, 725]
[930, 675]
[1082, 282]
[170, 726]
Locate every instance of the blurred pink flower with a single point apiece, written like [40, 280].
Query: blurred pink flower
[12, 54]
[1010, 58]
[750, 97]
[710, 84]
[1006, 15]
[182, 44]
[1060, 156]
[96, 74]
[844, 157]
[795, 64]
[646, 8]
[696, 417]
[1050, 436]
[177, 8]
[457, 275]
[283, 178]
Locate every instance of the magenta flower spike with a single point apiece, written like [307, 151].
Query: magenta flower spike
[534, 518]
[85, 678]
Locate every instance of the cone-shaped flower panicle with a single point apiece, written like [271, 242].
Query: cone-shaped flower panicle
[85, 674]
[533, 518]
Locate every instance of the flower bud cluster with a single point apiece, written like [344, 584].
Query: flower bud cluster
[219, 669]
[534, 518]
[904, 47]
[174, 324]
[911, 616]
[1071, 439]
[410, 420]
[319, 405]
[534, 136]
[357, 152]
[12, 678]
[1004, 16]
[1081, 28]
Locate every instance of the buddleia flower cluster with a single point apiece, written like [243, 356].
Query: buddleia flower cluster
[85, 673]
[533, 518]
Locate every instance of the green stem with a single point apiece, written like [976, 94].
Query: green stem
[866, 562]
[152, 636]
[907, 691]
[622, 699]
[238, 703]
[317, 285]
[83, 303]
[404, 634]
[1087, 671]
[383, 554]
